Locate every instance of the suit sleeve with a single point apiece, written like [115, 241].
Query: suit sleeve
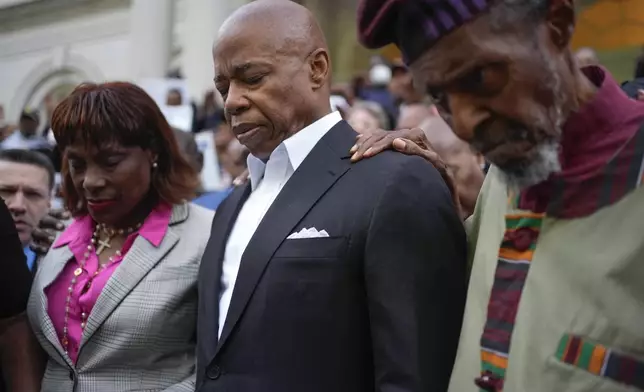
[15, 279]
[416, 281]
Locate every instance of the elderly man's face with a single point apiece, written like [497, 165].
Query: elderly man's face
[504, 92]
[265, 87]
[25, 190]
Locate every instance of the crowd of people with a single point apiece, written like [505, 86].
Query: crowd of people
[457, 220]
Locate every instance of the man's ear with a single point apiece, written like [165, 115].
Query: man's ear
[561, 22]
[320, 68]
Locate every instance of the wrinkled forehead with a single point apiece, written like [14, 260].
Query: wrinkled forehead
[465, 48]
[18, 173]
[240, 44]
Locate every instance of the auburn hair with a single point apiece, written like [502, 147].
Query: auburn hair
[121, 113]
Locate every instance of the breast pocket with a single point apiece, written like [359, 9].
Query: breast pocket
[309, 260]
[313, 248]
[582, 364]
[305, 275]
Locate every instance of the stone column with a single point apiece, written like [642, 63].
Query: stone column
[150, 38]
[203, 19]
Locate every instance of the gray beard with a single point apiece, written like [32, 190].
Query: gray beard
[547, 160]
[545, 163]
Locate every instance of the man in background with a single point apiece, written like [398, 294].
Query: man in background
[189, 149]
[232, 162]
[26, 136]
[465, 164]
[414, 114]
[26, 184]
[401, 85]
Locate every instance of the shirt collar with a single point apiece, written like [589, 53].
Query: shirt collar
[296, 147]
[30, 256]
[584, 133]
[153, 229]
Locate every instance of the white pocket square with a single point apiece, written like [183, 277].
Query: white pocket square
[308, 233]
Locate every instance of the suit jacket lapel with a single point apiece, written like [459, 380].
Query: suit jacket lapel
[210, 268]
[326, 163]
[51, 267]
[136, 264]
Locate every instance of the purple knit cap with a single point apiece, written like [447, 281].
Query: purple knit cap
[413, 25]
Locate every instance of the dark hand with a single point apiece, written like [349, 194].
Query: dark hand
[408, 141]
[43, 237]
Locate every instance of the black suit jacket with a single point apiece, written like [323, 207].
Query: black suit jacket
[376, 306]
[15, 278]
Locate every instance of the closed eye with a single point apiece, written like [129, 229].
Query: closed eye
[255, 79]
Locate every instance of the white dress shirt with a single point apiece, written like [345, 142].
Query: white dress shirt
[267, 180]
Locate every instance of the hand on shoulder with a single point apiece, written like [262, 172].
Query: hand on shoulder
[411, 141]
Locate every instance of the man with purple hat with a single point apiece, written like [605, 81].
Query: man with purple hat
[556, 299]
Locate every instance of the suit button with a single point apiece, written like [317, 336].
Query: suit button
[213, 372]
[72, 376]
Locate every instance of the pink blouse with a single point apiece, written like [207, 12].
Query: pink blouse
[87, 287]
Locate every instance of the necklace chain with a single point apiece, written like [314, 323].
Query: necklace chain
[100, 228]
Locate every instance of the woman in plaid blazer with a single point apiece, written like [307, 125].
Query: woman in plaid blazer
[114, 301]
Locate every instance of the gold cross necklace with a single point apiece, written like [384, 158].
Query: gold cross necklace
[102, 244]
[111, 233]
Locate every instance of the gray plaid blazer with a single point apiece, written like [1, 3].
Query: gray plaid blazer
[140, 335]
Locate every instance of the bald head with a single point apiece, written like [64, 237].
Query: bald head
[272, 69]
[292, 27]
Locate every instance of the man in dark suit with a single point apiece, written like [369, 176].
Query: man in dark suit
[320, 274]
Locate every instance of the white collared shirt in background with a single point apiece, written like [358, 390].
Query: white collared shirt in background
[267, 180]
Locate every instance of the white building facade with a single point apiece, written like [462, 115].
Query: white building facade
[49, 46]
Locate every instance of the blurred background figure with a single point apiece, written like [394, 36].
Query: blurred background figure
[364, 116]
[174, 98]
[401, 85]
[189, 149]
[413, 114]
[639, 64]
[4, 126]
[26, 136]
[586, 56]
[210, 115]
[377, 88]
[465, 164]
[232, 163]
